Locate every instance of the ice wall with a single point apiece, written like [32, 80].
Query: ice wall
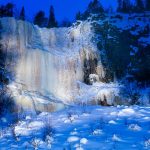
[50, 61]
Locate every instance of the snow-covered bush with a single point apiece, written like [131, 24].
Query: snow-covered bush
[134, 127]
[116, 138]
[145, 96]
[49, 140]
[36, 143]
[147, 143]
[71, 117]
[6, 102]
[101, 123]
[84, 110]
[14, 133]
[96, 130]
[48, 131]
[79, 147]
[1, 132]
[131, 92]
[126, 123]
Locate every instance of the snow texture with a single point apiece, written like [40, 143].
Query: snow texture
[121, 127]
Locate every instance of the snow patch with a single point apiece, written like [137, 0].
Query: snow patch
[73, 139]
[126, 112]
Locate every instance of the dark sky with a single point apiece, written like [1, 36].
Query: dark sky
[64, 9]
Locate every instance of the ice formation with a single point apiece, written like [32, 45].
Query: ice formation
[50, 61]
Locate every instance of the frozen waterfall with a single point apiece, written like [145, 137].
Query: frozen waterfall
[49, 61]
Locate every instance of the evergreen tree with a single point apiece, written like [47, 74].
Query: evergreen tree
[139, 6]
[101, 8]
[1, 51]
[7, 10]
[3, 69]
[22, 14]
[126, 6]
[40, 19]
[95, 7]
[78, 16]
[90, 6]
[119, 9]
[52, 21]
[146, 30]
[147, 5]
[1, 11]
[65, 23]
[109, 10]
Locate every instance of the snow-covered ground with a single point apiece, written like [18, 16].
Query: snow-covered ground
[78, 128]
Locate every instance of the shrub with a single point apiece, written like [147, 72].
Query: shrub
[131, 92]
[6, 102]
[48, 130]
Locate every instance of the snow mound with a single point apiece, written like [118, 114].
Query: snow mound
[73, 139]
[134, 127]
[83, 141]
[126, 112]
[116, 138]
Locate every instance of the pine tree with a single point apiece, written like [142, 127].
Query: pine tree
[139, 6]
[40, 19]
[7, 10]
[90, 7]
[1, 11]
[65, 23]
[0, 38]
[78, 16]
[52, 21]
[100, 8]
[146, 30]
[147, 5]
[1, 51]
[22, 14]
[2, 60]
[119, 9]
[110, 10]
[95, 7]
[126, 6]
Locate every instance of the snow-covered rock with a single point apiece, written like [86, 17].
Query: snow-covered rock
[126, 112]
[116, 138]
[72, 139]
[134, 127]
[83, 141]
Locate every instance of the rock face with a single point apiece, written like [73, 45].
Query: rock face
[50, 61]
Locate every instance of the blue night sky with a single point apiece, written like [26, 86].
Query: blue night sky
[64, 9]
